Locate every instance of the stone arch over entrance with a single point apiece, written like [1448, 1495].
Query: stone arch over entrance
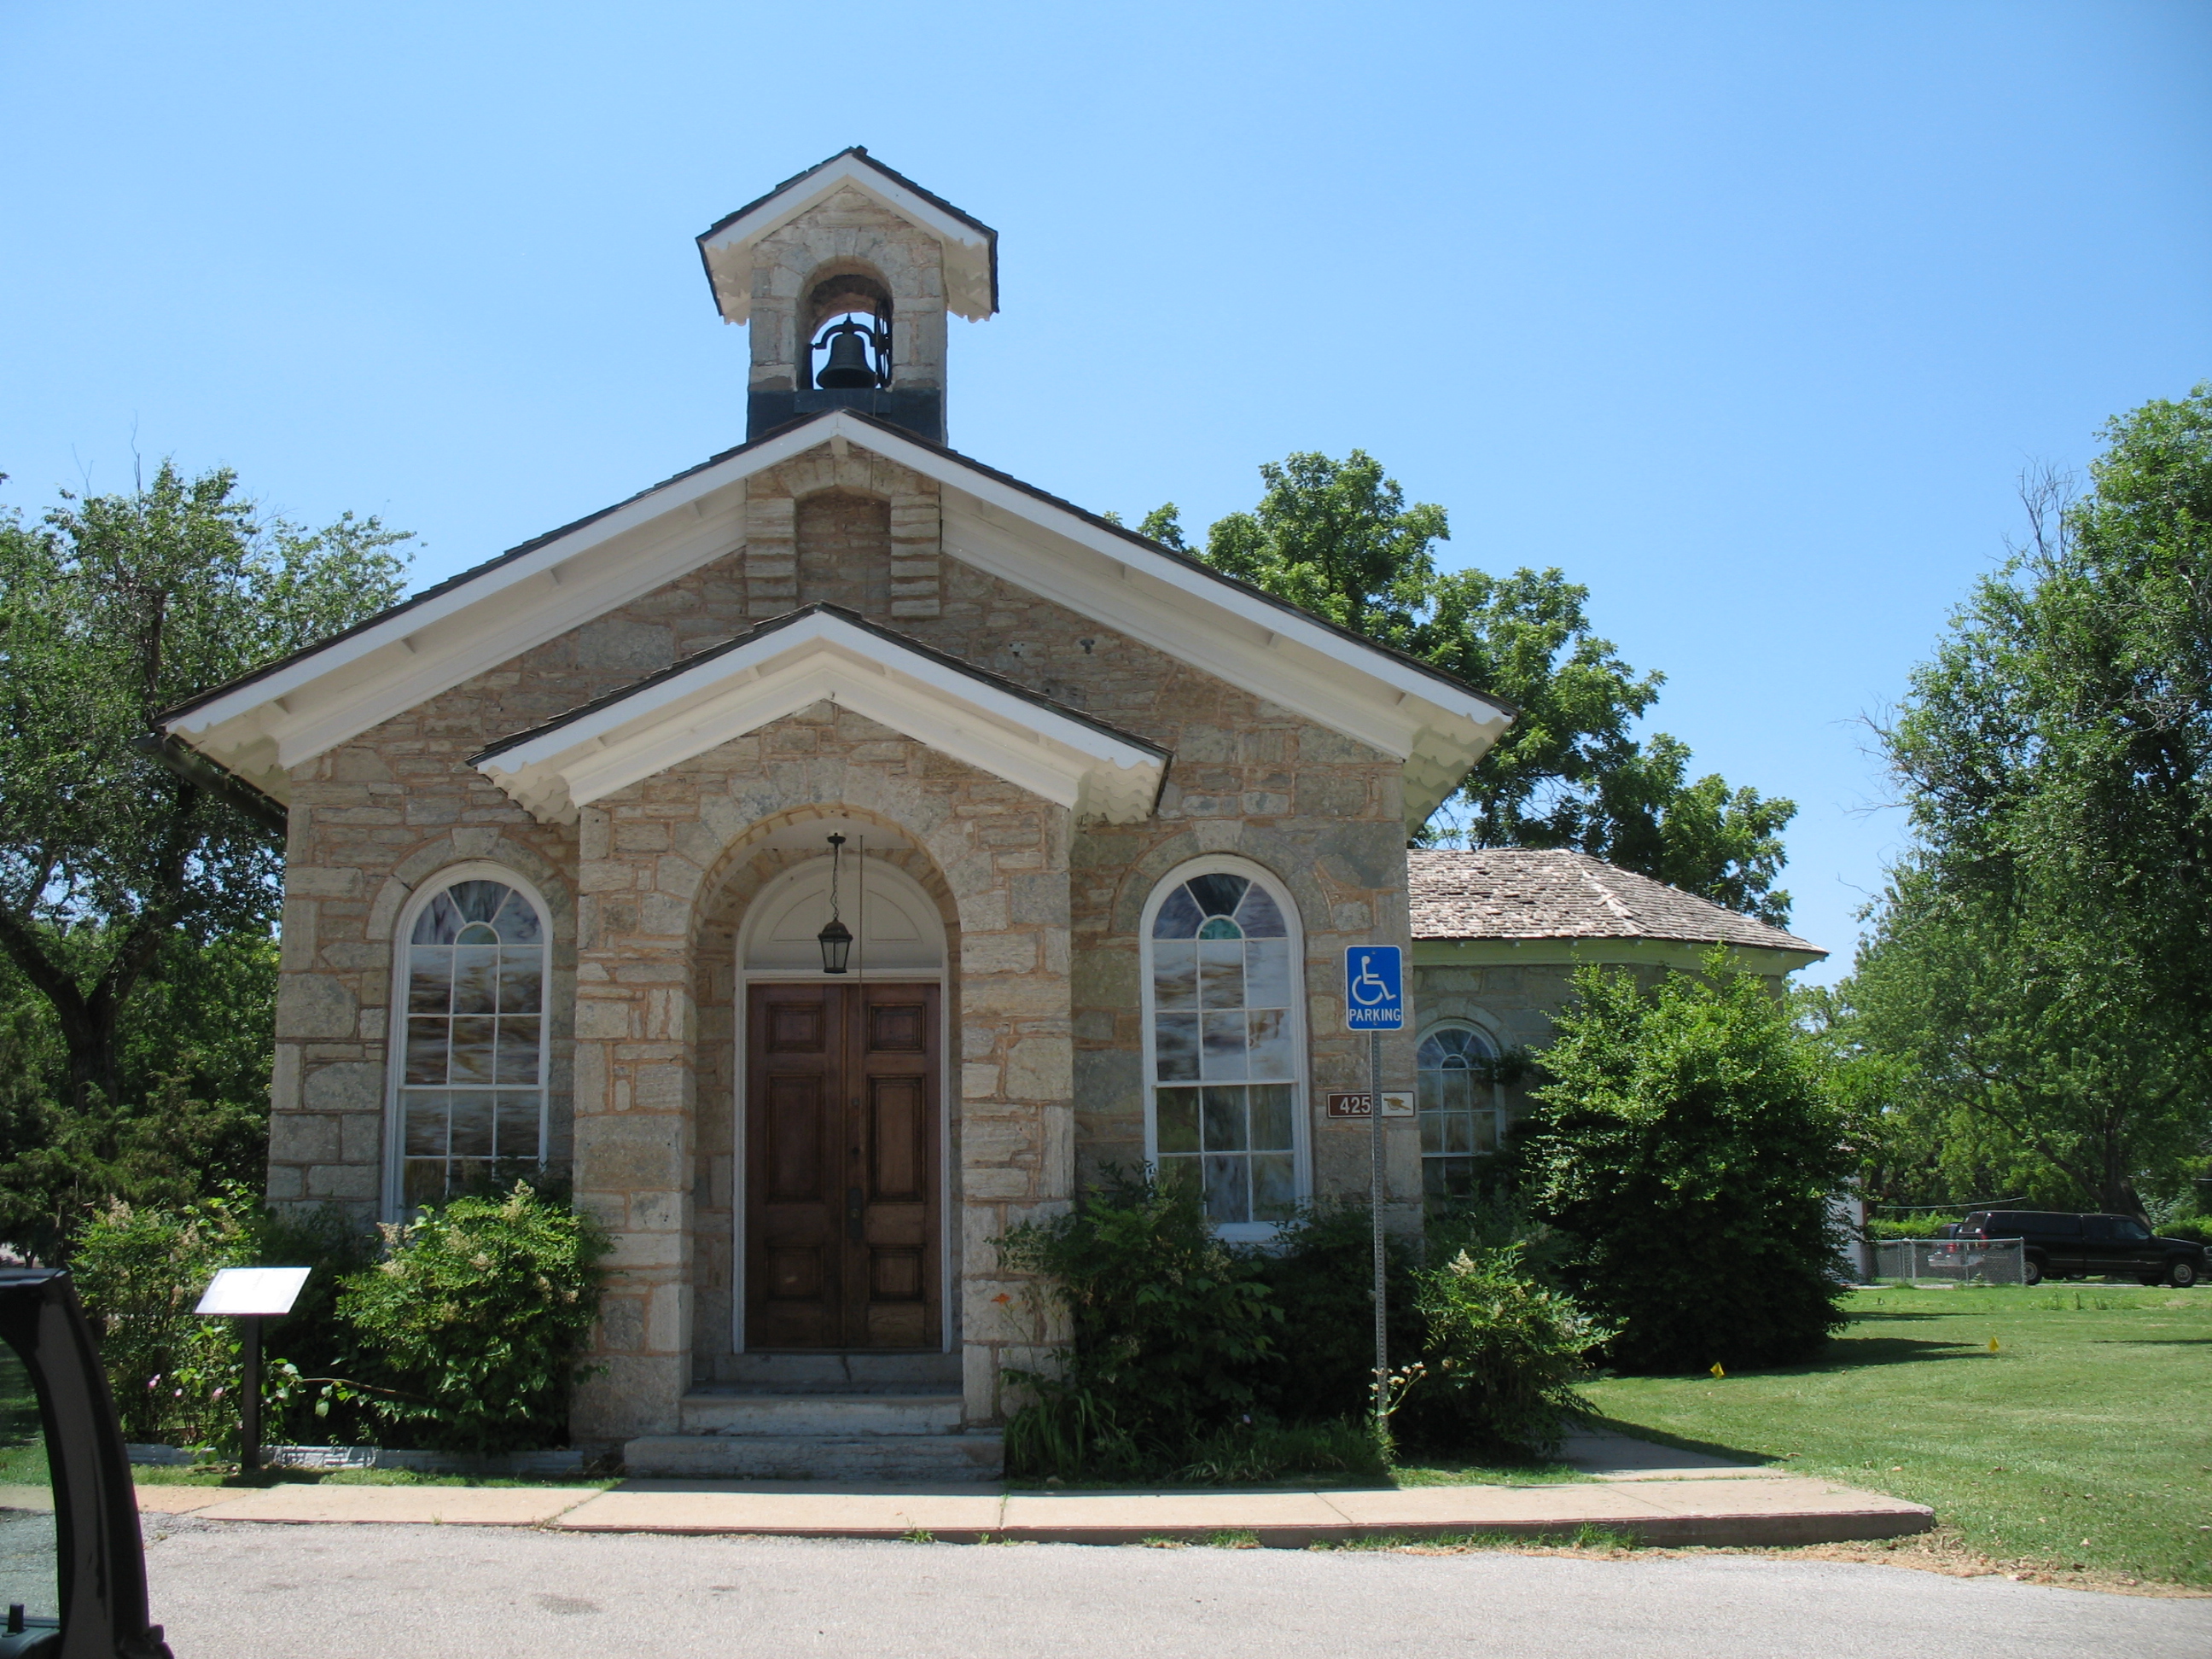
[668, 866]
[777, 865]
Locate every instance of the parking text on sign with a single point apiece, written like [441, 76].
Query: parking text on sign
[1374, 988]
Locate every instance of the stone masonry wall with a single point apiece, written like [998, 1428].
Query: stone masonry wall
[849, 233]
[376, 818]
[655, 857]
[373, 819]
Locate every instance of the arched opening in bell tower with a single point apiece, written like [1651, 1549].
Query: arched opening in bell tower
[845, 333]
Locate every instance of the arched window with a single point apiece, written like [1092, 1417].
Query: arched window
[472, 1092]
[1461, 1115]
[1225, 1052]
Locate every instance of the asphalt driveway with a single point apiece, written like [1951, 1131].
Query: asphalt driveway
[246, 1591]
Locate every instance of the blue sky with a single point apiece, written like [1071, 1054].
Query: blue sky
[1749, 317]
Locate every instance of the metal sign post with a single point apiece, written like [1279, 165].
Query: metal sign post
[250, 1295]
[1375, 1002]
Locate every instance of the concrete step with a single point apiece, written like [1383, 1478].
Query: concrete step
[938, 1459]
[822, 1373]
[891, 1409]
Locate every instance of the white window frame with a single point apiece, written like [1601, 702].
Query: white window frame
[395, 1018]
[1252, 1232]
[1459, 1023]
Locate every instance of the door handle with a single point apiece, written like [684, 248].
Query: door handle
[852, 1207]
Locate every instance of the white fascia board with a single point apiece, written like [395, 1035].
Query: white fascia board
[332, 695]
[967, 278]
[1436, 745]
[1067, 762]
[1438, 731]
[1321, 680]
[1268, 624]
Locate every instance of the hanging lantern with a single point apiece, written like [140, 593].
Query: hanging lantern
[835, 938]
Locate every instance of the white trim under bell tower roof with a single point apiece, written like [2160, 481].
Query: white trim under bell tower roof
[971, 247]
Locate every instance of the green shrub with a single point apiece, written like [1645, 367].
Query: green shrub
[2196, 1227]
[311, 1349]
[140, 1272]
[1193, 1361]
[1167, 1323]
[476, 1319]
[1265, 1450]
[1502, 1353]
[1687, 1144]
[1908, 1226]
[1319, 1272]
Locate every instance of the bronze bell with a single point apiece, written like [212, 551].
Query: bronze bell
[848, 368]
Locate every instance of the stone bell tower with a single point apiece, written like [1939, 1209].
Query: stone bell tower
[845, 275]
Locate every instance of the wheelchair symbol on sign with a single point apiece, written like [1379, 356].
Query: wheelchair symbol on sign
[1374, 987]
[1368, 987]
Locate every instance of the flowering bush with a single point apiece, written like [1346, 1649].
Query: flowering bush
[140, 1272]
[475, 1320]
[1503, 1354]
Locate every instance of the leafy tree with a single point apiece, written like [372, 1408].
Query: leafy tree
[192, 1103]
[115, 871]
[1337, 538]
[1687, 1145]
[2041, 963]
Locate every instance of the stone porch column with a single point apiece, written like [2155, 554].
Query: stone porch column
[1016, 1128]
[633, 1088]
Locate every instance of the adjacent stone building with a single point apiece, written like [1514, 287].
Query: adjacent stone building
[838, 852]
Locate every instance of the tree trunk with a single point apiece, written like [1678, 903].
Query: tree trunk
[2116, 1192]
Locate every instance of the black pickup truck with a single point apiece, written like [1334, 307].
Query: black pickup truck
[2056, 1245]
[72, 1569]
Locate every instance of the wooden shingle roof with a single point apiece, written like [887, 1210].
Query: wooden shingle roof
[1527, 893]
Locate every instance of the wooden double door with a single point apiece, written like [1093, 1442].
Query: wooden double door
[843, 1161]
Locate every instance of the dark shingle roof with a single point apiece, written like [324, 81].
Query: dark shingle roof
[1527, 893]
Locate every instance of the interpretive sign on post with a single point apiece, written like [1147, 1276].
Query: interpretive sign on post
[250, 1295]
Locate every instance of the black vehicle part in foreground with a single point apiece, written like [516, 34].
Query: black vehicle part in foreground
[80, 1568]
[2057, 1245]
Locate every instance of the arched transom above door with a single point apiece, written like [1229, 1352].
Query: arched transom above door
[895, 924]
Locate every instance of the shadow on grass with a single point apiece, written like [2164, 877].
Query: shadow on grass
[1849, 1353]
[2149, 1342]
[1868, 1316]
[1681, 1441]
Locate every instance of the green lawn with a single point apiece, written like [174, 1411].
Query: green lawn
[2084, 1438]
[22, 1441]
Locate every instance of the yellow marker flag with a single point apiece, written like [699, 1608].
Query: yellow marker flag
[1993, 1344]
[1717, 1371]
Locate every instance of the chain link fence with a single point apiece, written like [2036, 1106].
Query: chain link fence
[1950, 1261]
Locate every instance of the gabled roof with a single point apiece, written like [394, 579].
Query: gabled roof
[971, 247]
[288, 711]
[803, 658]
[1532, 893]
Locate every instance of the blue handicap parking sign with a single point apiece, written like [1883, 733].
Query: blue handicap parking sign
[1374, 987]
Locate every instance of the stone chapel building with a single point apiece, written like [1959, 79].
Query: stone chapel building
[564, 883]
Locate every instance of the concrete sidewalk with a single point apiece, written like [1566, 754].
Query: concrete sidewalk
[1658, 1495]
